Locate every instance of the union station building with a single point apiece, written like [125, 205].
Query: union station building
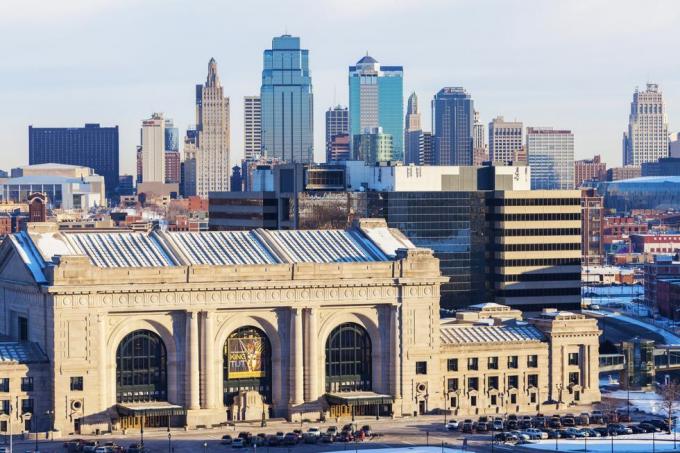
[114, 330]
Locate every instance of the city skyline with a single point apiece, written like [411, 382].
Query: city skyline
[57, 90]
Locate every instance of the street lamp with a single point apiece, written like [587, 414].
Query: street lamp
[446, 397]
[205, 447]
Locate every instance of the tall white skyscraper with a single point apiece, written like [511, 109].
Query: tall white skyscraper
[212, 123]
[551, 158]
[647, 136]
[505, 140]
[478, 135]
[412, 131]
[153, 149]
[252, 127]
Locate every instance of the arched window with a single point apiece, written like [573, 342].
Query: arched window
[348, 359]
[141, 368]
[247, 363]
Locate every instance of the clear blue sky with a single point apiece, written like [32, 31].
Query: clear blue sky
[567, 64]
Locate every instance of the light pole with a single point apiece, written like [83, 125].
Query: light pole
[141, 431]
[50, 414]
[169, 436]
[446, 397]
[205, 447]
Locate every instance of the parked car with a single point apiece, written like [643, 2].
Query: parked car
[539, 421]
[555, 422]
[521, 437]
[583, 419]
[483, 419]
[590, 432]
[661, 424]
[511, 424]
[482, 427]
[345, 436]
[314, 431]
[603, 432]
[568, 421]
[596, 417]
[535, 434]
[468, 426]
[497, 424]
[649, 428]
[310, 438]
[577, 433]
[89, 447]
[619, 428]
[636, 429]
[290, 439]
[451, 425]
[327, 438]
[505, 437]
[239, 442]
[552, 433]
[226, 440]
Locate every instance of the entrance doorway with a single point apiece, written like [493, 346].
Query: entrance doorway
[76, 425]
[421, 407]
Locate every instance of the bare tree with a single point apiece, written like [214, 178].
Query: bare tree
[670, 393]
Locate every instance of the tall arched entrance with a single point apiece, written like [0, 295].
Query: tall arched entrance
[247, 364]
[349, 373]
[141, 377]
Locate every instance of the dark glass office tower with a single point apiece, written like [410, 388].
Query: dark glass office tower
[90, 146]
[454, 225]
[453, 120]
[287, 102]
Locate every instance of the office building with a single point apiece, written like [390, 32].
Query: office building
[152, 306]
[340, 148]
[666, 166]
[505, 140]
[592, 228]
[452, 121]
[373, 146]
[126, 185]
[91, 146]
[153, 149]
[376, 99]
[550, 153]
[252, 127]
[171, 136]
[480, 152]
[674, 145]
[412, 132]
[589, 170]
[212, 124]
[188, 165]
[625, 172]
[537, 248]
[426, 149]
[647, 137]
[173, 167]
[337, 123]
[287, 102]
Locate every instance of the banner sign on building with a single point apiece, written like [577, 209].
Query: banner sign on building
[245, 357]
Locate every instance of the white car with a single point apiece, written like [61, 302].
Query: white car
[452, 425]
[498, 425]
[314, 432]
[535, 433]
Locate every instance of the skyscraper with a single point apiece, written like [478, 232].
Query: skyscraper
[413, 131]
[153, 149]
[171, 136]
[188, 166]
[426, 149]
[337, 123]
[376, 99]
[647, 136]
[452, 120]
[172, 156]
[505, 140]
[252, 127]
[373, 146]
[287, 102]
[480, 153]
[551, 158]
[90, 146]
[212, 123]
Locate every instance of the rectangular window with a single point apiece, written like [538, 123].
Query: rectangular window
[27, 405]
[473, 383]
[421, 367]
[532, 397]
[513, 362]
[473, 400]
[494, 400]
[4, 385]
[3, 426]
[573, 358]
[492, 383]
[452, 364]
[513, 381]
[473, 363]
[452, 384]
[493, 363]
[23, 328]
[27, 384]
[513, 398]
[532, 361]
[532, 380]
[574, 378]
[76, 383]
[4, 405]
[454, 401]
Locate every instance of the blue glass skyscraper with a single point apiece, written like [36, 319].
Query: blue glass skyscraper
[452, 121]
[287, 103]
[376, 99]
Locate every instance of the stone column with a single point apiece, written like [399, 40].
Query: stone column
[312, 355]
[104, 365]
[297, 365]
[395, 353]
[209, 367]
[192, 373]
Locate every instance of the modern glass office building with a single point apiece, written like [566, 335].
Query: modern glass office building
[452, 122]
[551, 157]
[171, 136]
[287, 102]
[91, 146]
[376, 99]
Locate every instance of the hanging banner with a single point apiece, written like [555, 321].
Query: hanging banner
[245, 357]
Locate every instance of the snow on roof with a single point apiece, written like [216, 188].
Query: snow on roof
[213, 248]
[470, 334]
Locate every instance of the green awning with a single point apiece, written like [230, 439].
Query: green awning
[148, 409]
[358, 398]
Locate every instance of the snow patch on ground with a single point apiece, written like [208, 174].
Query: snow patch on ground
[407, 449]
[636, 443]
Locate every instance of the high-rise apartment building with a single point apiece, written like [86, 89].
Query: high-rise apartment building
[287, 102]
[412, 131]
[551, 157]
[153, 149]
[426, 149]
[373, 146]
[376, 99]
[647, 137]
[252, 127]
[589, 170]
[505, 140]
[91, 146]
[337, 123]
[212, 123]
[173, 167]
[452, 121]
